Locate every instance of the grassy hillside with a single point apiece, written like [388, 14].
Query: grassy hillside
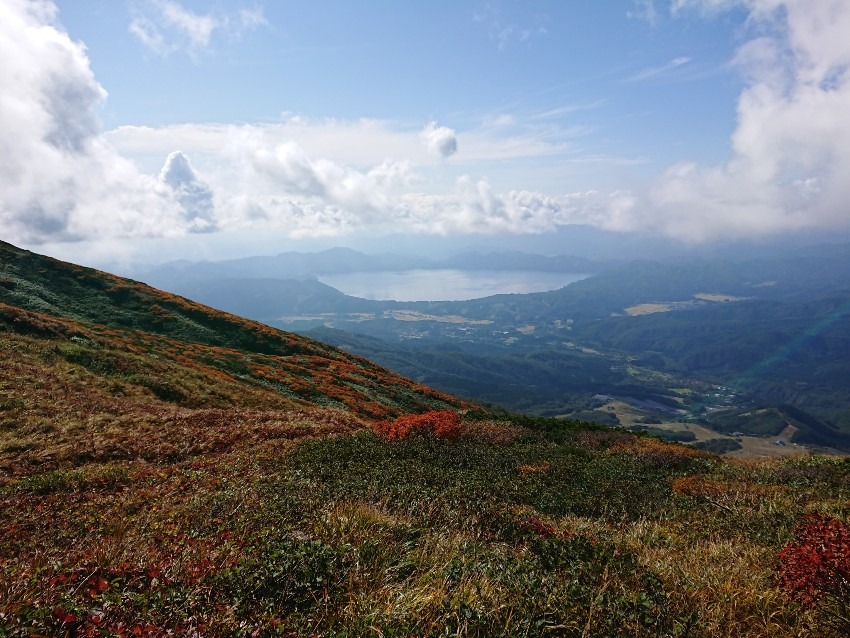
[128, 337]
[306, 523]
[252, 483]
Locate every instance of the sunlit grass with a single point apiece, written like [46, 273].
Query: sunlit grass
[372, 541]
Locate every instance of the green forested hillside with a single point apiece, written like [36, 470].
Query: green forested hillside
[782, 352]
[540, 381]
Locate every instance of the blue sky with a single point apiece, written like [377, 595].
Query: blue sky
[153, 129]
[598, 76]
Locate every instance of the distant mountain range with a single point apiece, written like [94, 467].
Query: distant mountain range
[299, 265]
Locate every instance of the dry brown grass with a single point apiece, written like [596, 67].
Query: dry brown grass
[731, 581]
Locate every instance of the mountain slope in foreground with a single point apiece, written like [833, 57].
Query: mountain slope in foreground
[168, 470]
[125, 343]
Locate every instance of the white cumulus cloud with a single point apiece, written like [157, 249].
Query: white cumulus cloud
[790, 163]
[59, 179]
[440, 141]
[190, 190]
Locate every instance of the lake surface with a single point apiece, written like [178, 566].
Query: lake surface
[445, 284]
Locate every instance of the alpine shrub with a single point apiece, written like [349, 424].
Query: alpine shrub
[443, 424]
[814, 568]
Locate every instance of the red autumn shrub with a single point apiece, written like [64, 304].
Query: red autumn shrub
[814, 568]
[443, 424]
[534, 525]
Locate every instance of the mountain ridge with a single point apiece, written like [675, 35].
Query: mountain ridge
[298, 265]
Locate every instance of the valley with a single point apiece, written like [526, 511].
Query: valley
[668, 334]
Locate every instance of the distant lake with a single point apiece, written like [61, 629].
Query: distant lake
[445, 284]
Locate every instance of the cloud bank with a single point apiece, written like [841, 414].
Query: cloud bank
[59, 180]
[63, 179]
[790, 164]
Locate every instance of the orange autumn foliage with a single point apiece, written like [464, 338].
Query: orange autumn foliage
[442, 424]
